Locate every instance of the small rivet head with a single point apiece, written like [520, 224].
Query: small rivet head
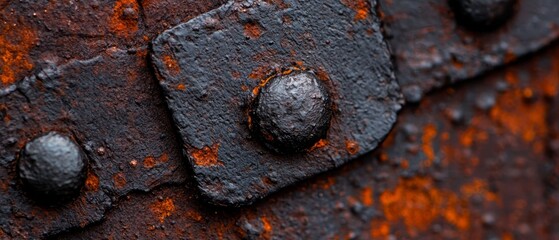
[52, 168]
[291, 112]
[482, 15]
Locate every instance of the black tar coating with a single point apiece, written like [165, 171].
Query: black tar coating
[53, 168]
[292, 112]
[432, 49]
[215, 60]
[482, 15]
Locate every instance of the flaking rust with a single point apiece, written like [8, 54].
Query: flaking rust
[339, 102]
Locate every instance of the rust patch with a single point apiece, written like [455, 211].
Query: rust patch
[367, 196]
[380, 229]
[124, 21]
[362, 8]
[418, 203]
[267, 228]
[151, 161]
[171, 64]
[253, 30]
[351, 147]
[163, 209]
[15, 44]
[320, 144]
[194, 215]
[207, 156]
[119, 180]
[92, 182]
[429, 134]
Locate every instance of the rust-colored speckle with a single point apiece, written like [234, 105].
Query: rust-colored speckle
[320, 144]
[351, 147]
[171, 64]
[194, 215]
[267, 228]
[362, 8]
[479, 187]
[519, 118]
[119, 180]
[253, 30]
[418, 203]
[429, 134]
[367, 196]
[163, 209]
[207, 156]
[380, 229]
[92, 182]
[124, 20]
[151, 161]
[15, 44]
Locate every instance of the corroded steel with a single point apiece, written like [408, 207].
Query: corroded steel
[472, 160]
[212, 66]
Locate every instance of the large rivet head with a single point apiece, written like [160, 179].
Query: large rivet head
[52, 168]
[291, 112]
[482, 15]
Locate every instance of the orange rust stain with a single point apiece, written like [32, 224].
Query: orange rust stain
[253, 30]
[472, 134]
[351, 147]
[418, 203]
[548, 83]
[322, 74]
[267, 228]
[478, 187]
[367, 196]
[327, 183]
[207, 156]
[380, 229]
[119, 180]
[124, 21]
[320, 144]
[151, 161]
[519, 118]
[15, 44]
[163, 209]
[194, 215]
[361, 7]
[171, 64]
[429, 134]
[507, 236]
[259, 72]
[91, 182]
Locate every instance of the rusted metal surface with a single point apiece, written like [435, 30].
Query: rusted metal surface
[433, 48]
[474, 160]
[211, 67]
[437, 176]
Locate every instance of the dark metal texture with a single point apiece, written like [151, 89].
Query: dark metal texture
[212, 66]
[432, 49]
[480, 174]
[474, 160]
[53, 168]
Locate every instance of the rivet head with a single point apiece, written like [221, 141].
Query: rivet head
[482, 15]
[52, 168]
[291, 112]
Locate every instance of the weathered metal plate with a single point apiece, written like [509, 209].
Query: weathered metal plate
[116, 115]
[431, 49]
[448, 170]
[212, 66]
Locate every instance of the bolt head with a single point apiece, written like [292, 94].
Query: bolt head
[291, 112]
[52, 168]
[482, 15]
